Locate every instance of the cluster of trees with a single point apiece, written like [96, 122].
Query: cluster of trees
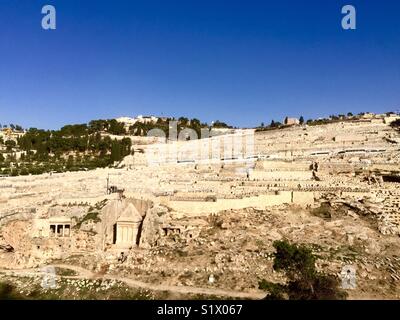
[331, 119]
[95, 126]
[53, 164]
[12, 126]
[69, 139]
[304, 281]
[80, 146]
[138, 129]
[335, 118]
[313, 122]
[73, 147]
[219, 124]
[110, 126]
[141, 129]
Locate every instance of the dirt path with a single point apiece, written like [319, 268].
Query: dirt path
[87, 274]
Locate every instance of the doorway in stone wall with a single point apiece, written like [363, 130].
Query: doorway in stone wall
[115, 233]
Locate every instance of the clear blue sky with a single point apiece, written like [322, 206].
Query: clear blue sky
[243, 62]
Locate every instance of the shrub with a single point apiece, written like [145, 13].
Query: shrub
[304, 282]
[395, 124]
[91, 215]
[323, 211]
[8, 292]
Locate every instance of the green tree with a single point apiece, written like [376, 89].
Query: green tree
[219, 124]
[304, 282]
[183, 121]
[24, 171]
[116, 127]
[395, 124]
[125, 146]
[195, 122]
[301, 120]
[115, 151]
[70, 162]
[10, 144]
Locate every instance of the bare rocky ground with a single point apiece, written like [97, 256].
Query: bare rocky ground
[30, 288]
[235, 247]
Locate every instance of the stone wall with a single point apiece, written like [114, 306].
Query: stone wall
[261, 201]
[281, 175]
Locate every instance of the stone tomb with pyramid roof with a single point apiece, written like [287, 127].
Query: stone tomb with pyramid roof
[127, 227]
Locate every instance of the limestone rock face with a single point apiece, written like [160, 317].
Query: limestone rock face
[151, 227]
[126, 213]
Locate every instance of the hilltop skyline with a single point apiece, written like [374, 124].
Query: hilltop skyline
[239, 62]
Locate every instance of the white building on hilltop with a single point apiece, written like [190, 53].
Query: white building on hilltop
[291, 121]
[139, 119]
